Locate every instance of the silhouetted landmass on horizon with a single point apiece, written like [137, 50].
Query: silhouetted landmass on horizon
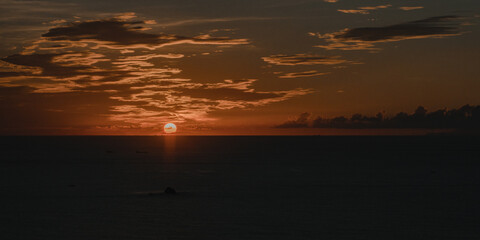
[465, 117]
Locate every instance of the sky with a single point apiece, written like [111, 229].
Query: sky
[229, 67]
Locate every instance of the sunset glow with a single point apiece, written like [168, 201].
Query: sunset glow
[248, 119]
[213, 67]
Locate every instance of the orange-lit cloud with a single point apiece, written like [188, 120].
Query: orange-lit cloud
[83, 64]
[304, 59]
[117, 33]
[364, 10]
[7, 68]
[79, 59]
[354, 11]
[187, 101]
[140, 84]
[312, 73]
[196, 21]
[410, 8]
[376, 7]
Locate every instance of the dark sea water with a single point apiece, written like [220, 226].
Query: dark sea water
[240, 187]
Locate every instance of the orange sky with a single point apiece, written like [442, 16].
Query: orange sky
[212, 67]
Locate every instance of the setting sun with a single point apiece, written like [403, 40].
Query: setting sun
[170, 128]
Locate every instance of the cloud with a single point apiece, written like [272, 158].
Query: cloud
[364, 10]
[303, 59]
[187, 101]
[465, 117]
[410, 8]
[302, 121]
[142, 60]
[58, 21]
[117, 33]
[196, 21]
[366, 38]
[227, 94]
[79, 59]
[376, 7]
[354, 11]
[125, 16]
[10, 69]
[137, 86]
[45, 62]
[72, 56]
[312, 73]
[75, 71]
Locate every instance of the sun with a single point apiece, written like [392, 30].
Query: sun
[170, 128]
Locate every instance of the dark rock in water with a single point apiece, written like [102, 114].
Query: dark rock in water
[170, 190]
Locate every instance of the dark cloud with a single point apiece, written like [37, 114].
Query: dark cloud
[79, 63]
[113, 30]
[63, 72]
[466, 117]
[43, 61]
[123, 33]
[427, 27]
[300, 122]
[364, 38]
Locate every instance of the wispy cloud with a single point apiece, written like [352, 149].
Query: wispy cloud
[193, 101]
[304, 59]
[312, 73]
[410, 8]
[119, 60]
[118, 33]
[364, 10]
[376, 7]
[354, 11]
[197, 21]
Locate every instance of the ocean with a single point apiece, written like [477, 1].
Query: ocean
[240, 187]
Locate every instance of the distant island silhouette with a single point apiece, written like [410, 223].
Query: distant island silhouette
[465, 117]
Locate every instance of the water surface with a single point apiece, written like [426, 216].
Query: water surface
[240, 187]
